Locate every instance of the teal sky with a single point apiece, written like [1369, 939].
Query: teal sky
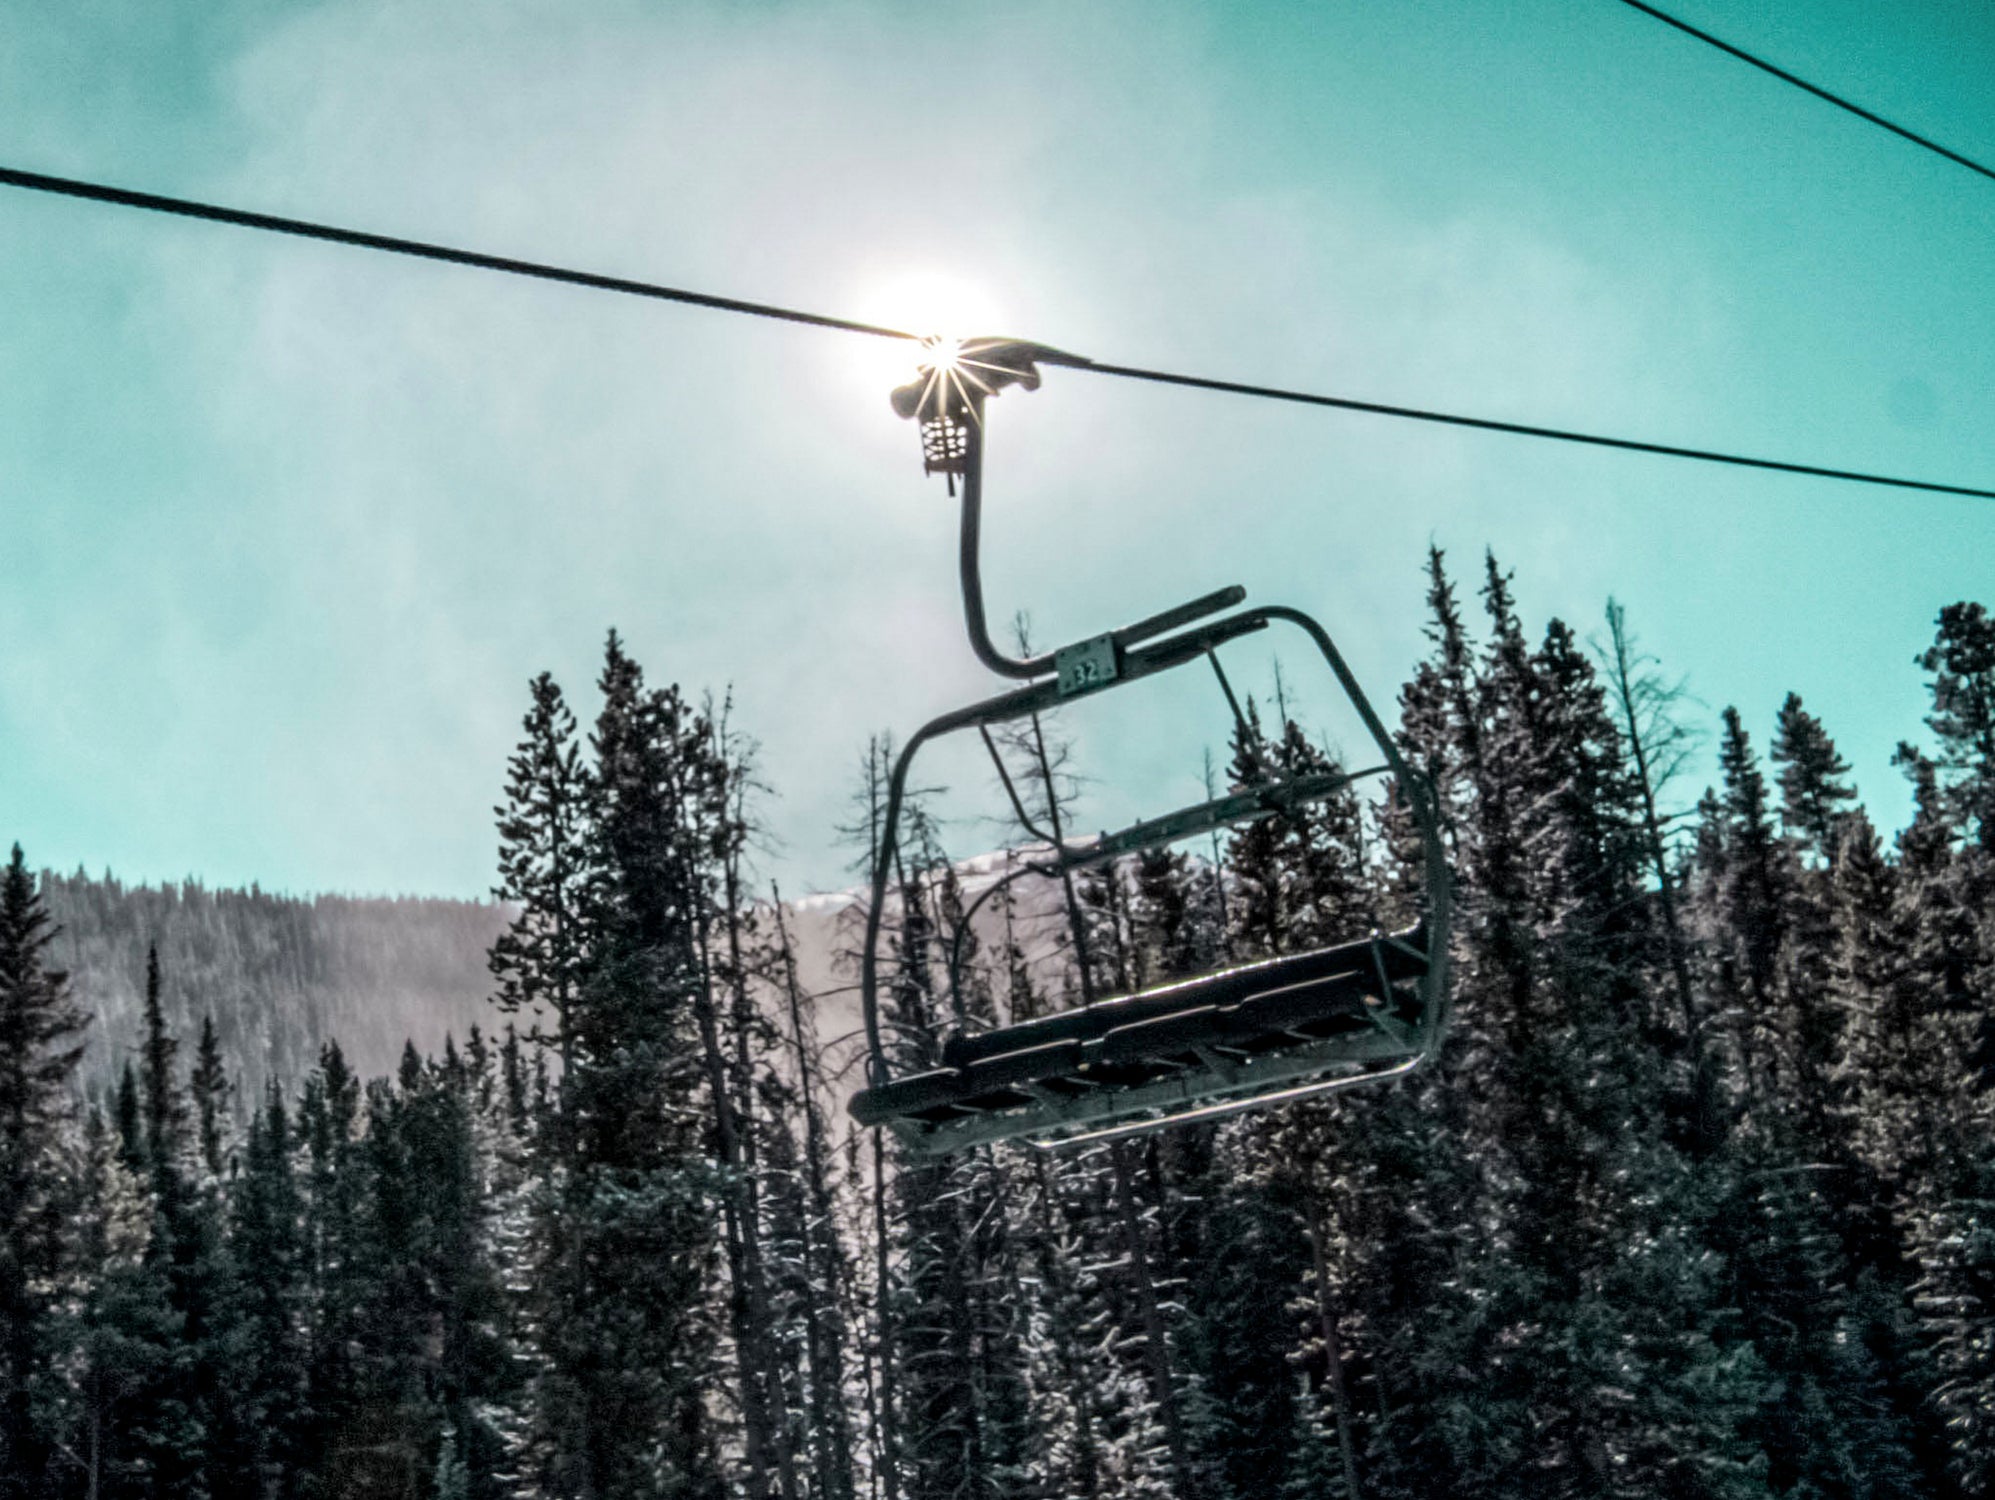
[285, 529]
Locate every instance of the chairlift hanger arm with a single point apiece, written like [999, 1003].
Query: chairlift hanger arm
[948, 399]
[969, 569]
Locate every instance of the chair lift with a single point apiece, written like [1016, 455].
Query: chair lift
[1245, 1037]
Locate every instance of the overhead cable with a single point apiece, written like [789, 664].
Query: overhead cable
[187, 208]
[1801, 83]
[1525, 429]
[388, 244]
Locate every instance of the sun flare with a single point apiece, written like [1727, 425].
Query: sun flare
[943, 353]
[942, 307]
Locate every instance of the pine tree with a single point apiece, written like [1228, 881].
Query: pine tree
[435, 1347]
[203, 1444]
[450, 1480]
[39, 1050]
[1825, 1423]
[1526, 1314]
[209, 1085]
[1165, 917]
[1742, 905]
[267, 1232]
[1753, 899]
[478, 1066]
[165, 1112]
[130, 1122]
[1941, 1036]
[1102, 949]
[541, 867]
[1105, 905]
[329, 1120]
[1961, 662]
[120, 1329]
[1657, 744]
[1258, 898]
[626, 1233]
[513, 1076]
[714, 784]
[1812, 785]
[1952, 1241]
[1238, 1332]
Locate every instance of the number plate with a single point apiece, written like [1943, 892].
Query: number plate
[1086, 665]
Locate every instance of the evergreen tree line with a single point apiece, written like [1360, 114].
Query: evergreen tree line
[1699, 1200]
[277, 976]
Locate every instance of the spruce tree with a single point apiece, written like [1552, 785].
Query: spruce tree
[120, 1330]
[130, 1121]
[335, 1248]
[1961, 664]
[1753, 899]
[267, 1231]
[1657, 744]
[208, 1083]
[1812, 785]
[513, 1077]
[202, 1444]
[541, 868]
[40, 1030]
[627, 1237]
[1165, 916]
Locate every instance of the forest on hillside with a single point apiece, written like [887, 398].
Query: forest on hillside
[1699, 1200]
[276, 976]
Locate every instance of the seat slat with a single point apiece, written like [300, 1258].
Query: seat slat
[1301, 1008]
[1140, 1042]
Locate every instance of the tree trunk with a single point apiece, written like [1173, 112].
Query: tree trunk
[823, 1263]
[1333, 1354]
[1156, 1350]
[889, 1434]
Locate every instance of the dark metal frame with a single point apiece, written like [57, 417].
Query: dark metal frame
[951, 409]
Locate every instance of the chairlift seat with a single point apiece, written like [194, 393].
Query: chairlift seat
[1311, 1014]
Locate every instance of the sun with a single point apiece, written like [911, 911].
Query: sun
[943, 307]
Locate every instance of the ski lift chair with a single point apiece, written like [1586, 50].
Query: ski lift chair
[1245, 1037]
